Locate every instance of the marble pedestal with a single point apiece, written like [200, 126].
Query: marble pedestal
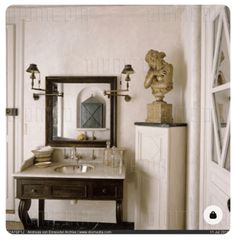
[159, 112]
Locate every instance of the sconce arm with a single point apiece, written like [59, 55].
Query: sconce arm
[115, 91]
[38, 89]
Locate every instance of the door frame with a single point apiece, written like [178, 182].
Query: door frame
[208, 15]
[10, 120]
[18, 142]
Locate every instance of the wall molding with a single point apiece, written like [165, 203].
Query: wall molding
[191, 34]
[83, 13]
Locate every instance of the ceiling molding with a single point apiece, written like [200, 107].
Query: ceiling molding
[84, 12]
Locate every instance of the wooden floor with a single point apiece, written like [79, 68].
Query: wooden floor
[14, 225]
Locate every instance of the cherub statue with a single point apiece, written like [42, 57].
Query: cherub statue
[159, 76]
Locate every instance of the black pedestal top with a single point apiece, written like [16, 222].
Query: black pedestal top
[163, 125]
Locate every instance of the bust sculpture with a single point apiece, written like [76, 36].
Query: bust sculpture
[159, 76]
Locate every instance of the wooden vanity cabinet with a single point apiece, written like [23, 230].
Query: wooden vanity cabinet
[49, 188]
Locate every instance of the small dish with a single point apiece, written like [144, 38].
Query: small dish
[42, 164]
[42, 159]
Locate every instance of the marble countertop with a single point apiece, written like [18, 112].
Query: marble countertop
[100, 171]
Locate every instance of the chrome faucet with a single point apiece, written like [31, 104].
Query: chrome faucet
[75, 155]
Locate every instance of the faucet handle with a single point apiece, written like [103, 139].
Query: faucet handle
[78, 156]
[66, 153]
[93, 157]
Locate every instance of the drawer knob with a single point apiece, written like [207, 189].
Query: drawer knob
[104, 190]
[33, 190]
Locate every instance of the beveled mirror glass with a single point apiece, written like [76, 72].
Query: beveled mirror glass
[83, 117]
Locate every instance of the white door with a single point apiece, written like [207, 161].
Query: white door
[217, 105]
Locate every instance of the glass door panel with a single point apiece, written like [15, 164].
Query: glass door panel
[222, 74]
[222, 104]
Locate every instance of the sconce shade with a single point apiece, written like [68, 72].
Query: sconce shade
[32, 68]
[128, 69]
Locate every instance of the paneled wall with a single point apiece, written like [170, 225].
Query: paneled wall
[97, 40]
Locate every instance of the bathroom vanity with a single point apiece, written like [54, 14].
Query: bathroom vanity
[93, 116]
[101, 183]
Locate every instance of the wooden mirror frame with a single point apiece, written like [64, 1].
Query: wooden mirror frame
[51, 80]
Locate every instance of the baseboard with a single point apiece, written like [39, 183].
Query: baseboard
[8, 211]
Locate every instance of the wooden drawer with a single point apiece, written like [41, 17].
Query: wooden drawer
[103, 191]
[78, 191]
[92, 189]
[35, 190]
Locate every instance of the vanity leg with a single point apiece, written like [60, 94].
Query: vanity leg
[119, 211]
[41, 208]
[24, 206]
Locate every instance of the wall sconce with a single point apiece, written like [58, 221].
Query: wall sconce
[127, 70]
[33, 69]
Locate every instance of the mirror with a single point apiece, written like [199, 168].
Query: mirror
[83, 117]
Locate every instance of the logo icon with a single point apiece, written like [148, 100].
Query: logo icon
[213, 215]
